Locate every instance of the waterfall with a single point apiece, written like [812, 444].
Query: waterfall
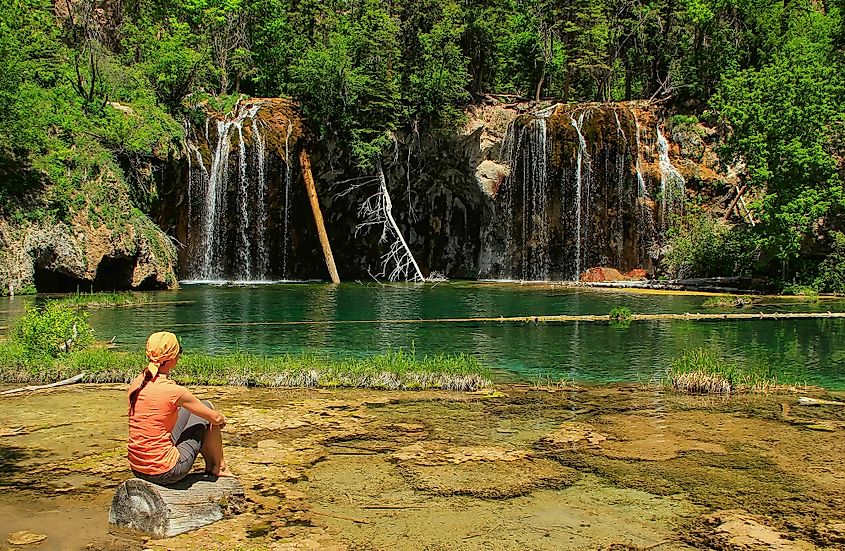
[208, 261]
[287, 199]
[262, 260]
[640, 181]
[621, 199]
[244, 257]
[511, 146]
[535, 264]
[580, 168]
[527, 146]
[672, 184]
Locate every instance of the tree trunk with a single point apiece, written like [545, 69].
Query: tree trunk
[540, 84]
[305, 164]
[165, 511]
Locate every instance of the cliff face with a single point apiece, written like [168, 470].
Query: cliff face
[81, 256]
[522, 192]
[531, 192]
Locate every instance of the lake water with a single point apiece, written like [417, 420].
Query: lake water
[360, 320]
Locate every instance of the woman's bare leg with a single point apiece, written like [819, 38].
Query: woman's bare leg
[212, 452]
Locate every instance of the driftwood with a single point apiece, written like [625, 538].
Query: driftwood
[72, 380]
[806, 401]
[164, 511]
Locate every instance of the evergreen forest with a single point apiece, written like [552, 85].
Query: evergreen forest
[767, 75]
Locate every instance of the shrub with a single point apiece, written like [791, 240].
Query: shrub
[832, 269]
[701, 246]
[800, 290]
[52, 329]
[620, 313]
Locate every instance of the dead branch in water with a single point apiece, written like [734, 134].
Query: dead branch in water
[70, 381]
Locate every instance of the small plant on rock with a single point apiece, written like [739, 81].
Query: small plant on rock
[620, 313]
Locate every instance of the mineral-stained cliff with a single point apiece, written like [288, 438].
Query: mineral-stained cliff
[534, 192]
[81, 256]
[524, 191]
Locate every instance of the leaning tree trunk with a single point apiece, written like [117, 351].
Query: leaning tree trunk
[305, 163]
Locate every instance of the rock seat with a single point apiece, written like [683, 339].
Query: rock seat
[165, 511]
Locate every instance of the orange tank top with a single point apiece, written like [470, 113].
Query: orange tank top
[151, 449]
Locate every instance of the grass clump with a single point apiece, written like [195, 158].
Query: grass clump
[104, 300]
[620, 317]
[392, 370]
[702, 371]
[728, 301]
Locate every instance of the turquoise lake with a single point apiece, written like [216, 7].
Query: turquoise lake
[327, 320]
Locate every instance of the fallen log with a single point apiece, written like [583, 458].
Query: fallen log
[70, 381]
[165, 511]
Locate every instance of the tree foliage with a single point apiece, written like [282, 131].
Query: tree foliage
[91, 91]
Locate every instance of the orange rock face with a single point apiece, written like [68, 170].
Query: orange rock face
[594, 275]
[602, 274]
[637, 274]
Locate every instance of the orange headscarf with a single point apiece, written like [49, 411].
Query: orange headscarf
[161, 347]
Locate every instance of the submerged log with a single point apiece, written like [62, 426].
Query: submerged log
[164, 511]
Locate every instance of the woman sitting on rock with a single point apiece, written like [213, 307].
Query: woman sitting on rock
[169, 426]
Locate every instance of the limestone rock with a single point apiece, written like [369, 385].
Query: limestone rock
[572, 435]
[25, 537]
[66, 257]
[491, 175]
[739, 530]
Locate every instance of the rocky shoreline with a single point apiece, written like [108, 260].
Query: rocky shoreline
[520, 467]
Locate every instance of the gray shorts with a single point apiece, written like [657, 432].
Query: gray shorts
[187, 435]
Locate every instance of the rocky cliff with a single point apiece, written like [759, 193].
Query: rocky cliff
[82, 257]
[523, 191]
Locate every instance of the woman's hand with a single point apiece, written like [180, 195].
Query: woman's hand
[192, 404]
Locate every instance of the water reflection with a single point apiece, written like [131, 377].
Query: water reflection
[321, 307]
[291, 318]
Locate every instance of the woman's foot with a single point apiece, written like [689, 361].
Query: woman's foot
[218, 470]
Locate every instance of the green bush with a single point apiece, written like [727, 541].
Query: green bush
[701, 246]
[831, 275]
[52, 329]
[620, 313]
[800, 290]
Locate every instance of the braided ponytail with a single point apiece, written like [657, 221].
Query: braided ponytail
[133, 396]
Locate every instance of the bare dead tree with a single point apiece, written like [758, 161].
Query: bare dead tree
[398, 263]
[225, 40]
[83, 24]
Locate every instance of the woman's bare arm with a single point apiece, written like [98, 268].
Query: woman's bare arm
[192, 404]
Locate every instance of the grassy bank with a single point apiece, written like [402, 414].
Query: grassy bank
[702, 371]
[394, 370]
